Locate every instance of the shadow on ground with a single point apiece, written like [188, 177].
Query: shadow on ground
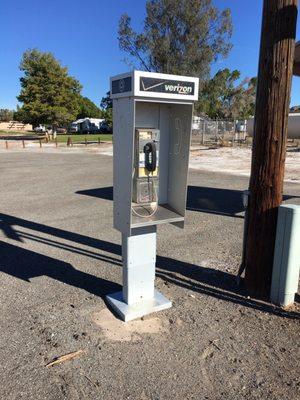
[227, 202]
[26, 264]
[204, 199]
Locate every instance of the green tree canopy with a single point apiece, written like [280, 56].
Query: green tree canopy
[88, 109]
[178, 37]
[6, 115]
[19, 115]
[223, 97]
[106, 108]
[49, 95]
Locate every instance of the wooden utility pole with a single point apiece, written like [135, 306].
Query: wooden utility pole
[269, 145]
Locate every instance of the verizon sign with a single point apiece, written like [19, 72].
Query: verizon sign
[157, 85]
[154, 85]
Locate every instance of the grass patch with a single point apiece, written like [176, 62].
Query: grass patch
[19, 133]
[81, 138]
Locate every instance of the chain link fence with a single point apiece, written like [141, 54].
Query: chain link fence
[218, 131]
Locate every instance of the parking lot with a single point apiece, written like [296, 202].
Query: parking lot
[60, 256]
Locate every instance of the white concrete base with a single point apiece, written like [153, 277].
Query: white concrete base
[137, 310]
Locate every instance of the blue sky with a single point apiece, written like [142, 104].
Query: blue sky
[83, 36]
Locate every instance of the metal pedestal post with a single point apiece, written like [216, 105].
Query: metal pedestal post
[245, 198]
[138, 297]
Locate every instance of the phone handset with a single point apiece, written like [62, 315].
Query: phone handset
[150, 156]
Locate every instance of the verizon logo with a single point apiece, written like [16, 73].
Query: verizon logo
[166, 86]
[178, 89]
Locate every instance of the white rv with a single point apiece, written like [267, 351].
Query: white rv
[86, 125]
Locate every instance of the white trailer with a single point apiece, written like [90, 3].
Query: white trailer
[293, 126]
[86, 125]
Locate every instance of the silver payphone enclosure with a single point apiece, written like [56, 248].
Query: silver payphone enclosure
[152, 116]
[161, 105]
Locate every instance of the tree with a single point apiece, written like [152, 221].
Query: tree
[276, 58]
[6, 115]
[106, 109]
[295, 109]
[179, 37]
[106, 102]
[49, 95]
[88, 109]
[222, 97]
[246, 100]
[19, 114]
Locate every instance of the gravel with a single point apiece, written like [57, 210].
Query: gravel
[60, 256]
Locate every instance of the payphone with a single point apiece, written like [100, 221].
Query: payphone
[146, 172]
[152, 118]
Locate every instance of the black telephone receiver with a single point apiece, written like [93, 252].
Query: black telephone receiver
[150, 156]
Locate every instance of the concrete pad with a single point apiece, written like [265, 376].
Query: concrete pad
[130, 312]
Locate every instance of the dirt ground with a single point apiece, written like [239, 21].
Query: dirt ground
[60, 256]
[235, 161]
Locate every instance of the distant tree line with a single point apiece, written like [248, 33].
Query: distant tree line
[6, 115]
[49, 95]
